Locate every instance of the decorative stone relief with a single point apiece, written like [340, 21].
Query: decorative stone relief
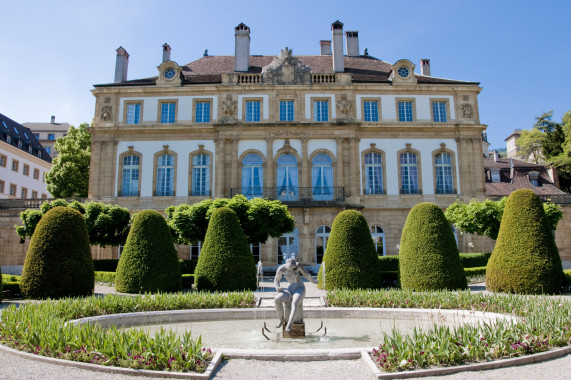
[344, 106]
[465, 98]
[467, 111]
[286, 69]
[228, 110]
[106, 113]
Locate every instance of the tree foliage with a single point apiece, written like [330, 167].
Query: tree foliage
[428, 256]
[525, 258]
[484, 218]
[225, 262]
[69, 176]
[149, 261]
[106, 224]
[58, 262]
[259, 218]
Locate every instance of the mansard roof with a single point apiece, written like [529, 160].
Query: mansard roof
[363, 69]
[17, 132]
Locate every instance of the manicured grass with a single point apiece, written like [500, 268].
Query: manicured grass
[40, 328]
[544, 324]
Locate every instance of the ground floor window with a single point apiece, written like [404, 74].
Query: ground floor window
[288, 246]
[195, 250]
[256, 250]
[378, 235]
[321, 237]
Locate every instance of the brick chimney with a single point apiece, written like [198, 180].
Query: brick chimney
[425, 67]
[337, 38]
[121, 65]
[242, 48]
[325, 47]
[166, 52]
[352, 42]
[53, 119]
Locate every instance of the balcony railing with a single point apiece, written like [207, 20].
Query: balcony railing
[296, 196]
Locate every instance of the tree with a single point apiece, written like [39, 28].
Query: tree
[69, 176]
[350, 259]
[484, 218]
[106, 224]
[149, 261]
[58, 262]
[428, 256]
[525, 258]
[259, 218]
[225, 262]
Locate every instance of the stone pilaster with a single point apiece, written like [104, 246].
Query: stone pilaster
[234, 158]
[305, 180]
[269, 179]
[94, 170]
[339, 163]
[219, 162]
[354, 166]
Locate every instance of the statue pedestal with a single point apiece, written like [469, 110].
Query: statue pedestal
[297, 331]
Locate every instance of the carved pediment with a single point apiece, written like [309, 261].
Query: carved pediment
[286, 69]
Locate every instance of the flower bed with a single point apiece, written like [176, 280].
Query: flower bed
[41, 328]
[544, 323]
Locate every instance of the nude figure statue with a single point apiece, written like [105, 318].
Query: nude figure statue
[289, 301]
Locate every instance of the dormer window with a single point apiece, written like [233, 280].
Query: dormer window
[20, 144]
[9, 139]
[495, 175]
[30, 149]
[534, 178]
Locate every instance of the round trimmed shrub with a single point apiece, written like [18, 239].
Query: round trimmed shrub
[428, 256]
[149, 262]
[58, 262]
[350, 259]
[525, 259]
[225, 262]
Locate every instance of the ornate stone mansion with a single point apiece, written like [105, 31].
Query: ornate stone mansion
[321, 133]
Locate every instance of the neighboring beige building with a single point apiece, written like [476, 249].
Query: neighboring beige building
[512, 149]
[48, 133]
[322, 133]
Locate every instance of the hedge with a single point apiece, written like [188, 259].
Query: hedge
[389, 263]
[477, 271]
[468, 260]
[187, 266]
[187, 281]
[109, 265]
[105, 277]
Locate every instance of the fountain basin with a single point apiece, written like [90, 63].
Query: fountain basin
[238, 332]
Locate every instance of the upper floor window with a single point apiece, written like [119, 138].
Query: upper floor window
[130, 176]
[23, 193]
[287, 178]
[201, 174]
[202, 112]
[320, 110]
[439, 112]
[253, 110]
[134, 113]
[443, 166]
[371, 110]
[26, 170]
[2, 160]
[165, 175]
[168, 112]
[409, 173]
[12, 190]
[36, 174]
[34, 194]
[405, 111]
[322, 177]
[252, 176]
[15, 165]
[1, 186]
[286, 110]
[373, 173]
[51, 136]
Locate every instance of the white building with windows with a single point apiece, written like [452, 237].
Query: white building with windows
[48, 133]
[321, 133]
[23, 162]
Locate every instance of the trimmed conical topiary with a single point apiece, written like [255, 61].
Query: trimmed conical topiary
[58, 262]
[149, 261]
[0, 283]
[350, 259]
[525, 259]
[428, 256]
[225, 262]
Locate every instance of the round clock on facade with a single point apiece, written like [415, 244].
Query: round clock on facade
[403, 72]
[169, 73]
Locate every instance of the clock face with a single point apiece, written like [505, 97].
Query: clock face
[403, 72]
[169, 73]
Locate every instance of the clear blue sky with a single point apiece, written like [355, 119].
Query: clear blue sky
[54, 51]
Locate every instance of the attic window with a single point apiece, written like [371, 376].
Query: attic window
[15, 130]
[5, 126]
[9, 139]
[19, 144]
[495, 175]
[30, 149]
[26, 136]
[534, 178]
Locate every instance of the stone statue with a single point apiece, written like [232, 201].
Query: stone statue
[228, 109]
[344, 105]
[289, 301]
[467, 111]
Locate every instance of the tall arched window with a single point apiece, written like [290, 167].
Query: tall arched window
[443, 167]
[252, 176]
[165, 175]
[130, 176]
[201, 174]
[288, 246]
[287, 189]
[378, 235]
[373, 173]
[409, 173]
[322, 177]
[321, 237]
